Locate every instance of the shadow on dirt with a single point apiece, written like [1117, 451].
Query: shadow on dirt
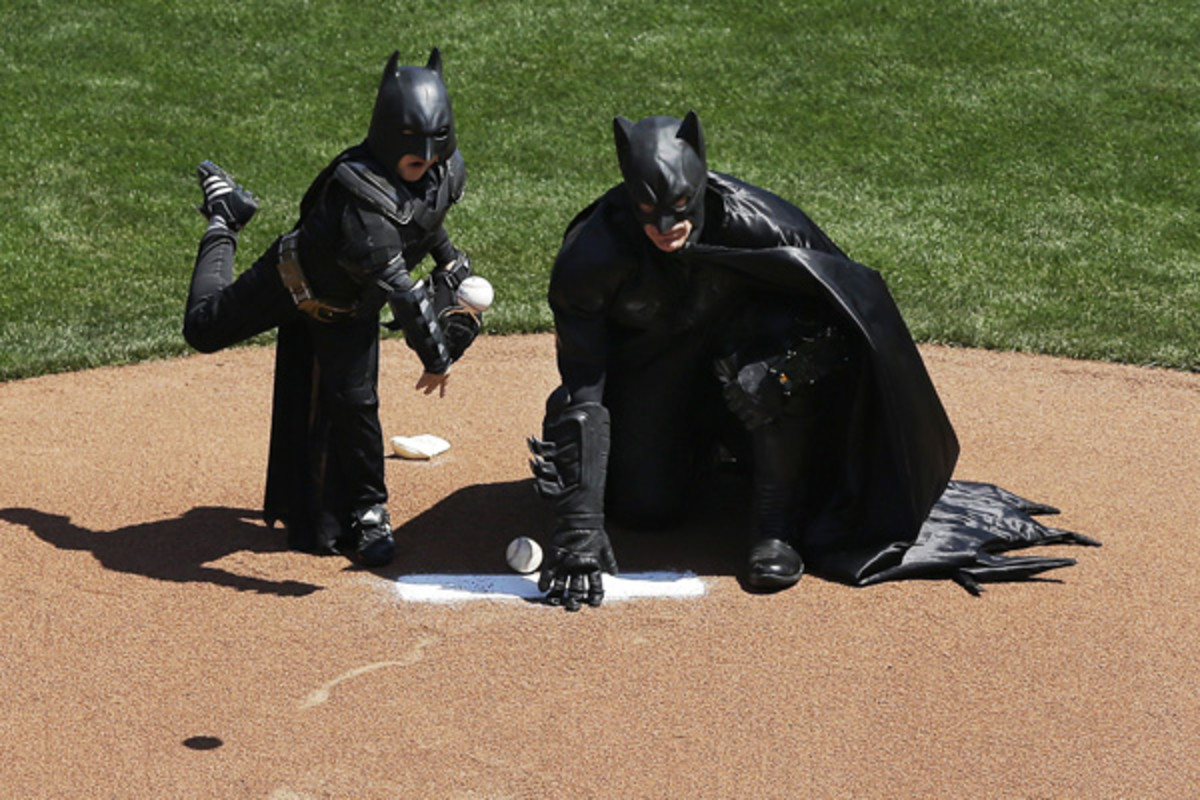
[468, 531]
[177, 550]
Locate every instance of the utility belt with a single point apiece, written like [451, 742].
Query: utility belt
[297, 285]
[811, 358]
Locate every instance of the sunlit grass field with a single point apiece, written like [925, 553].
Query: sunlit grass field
[1023, 174]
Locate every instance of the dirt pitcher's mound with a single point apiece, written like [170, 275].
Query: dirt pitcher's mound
[159, 641]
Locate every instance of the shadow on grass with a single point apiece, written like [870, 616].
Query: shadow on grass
[177, 550]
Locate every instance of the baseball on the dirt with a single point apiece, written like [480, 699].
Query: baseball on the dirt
[524, 555]
[475, 293]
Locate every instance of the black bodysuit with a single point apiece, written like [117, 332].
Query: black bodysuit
[641, 332]
[359, 234]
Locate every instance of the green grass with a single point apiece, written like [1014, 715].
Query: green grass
[1023, 173]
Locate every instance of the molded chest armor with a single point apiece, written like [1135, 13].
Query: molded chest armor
[400, 204]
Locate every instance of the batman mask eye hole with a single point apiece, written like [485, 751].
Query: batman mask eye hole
[646, 208]
[681, 202]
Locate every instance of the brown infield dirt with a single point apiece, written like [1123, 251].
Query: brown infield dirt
[160, 642]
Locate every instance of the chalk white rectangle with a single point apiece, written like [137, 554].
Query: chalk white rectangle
[456, 588]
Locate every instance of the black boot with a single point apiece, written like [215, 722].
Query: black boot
[773, 564]
[372, 529]
[224, 199]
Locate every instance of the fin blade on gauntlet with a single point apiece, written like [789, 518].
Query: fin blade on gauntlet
[413, 312]
[569, 467]
[571, 460]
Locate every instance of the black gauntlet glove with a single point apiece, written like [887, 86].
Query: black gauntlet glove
[570, 462]
[459, 325]
[571, 573]
[413, 313]
[445, 281]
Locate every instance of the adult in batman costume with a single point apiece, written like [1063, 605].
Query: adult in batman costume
[367, 220]
[702, 321]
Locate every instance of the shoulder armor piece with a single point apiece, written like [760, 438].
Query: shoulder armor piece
[379, 193]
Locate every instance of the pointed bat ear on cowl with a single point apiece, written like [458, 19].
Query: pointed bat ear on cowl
[392, 65]
[621, 129]
[691, 132]
[435, 62]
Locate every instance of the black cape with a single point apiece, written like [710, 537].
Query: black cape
[916, 522]
[299, 489]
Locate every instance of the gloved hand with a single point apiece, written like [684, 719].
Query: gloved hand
[754, 393]
[459, 325]
[459, 328]
[571, 573]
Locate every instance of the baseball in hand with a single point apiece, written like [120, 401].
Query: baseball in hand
[475, 293]
[524, 555]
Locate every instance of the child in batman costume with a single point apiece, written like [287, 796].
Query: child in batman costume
[368, 219]
[698, 318]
